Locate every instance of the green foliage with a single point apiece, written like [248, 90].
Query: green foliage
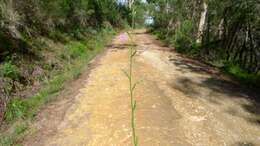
[30, 18]
[15, 133]
[8, 69]
[161, 35]
[216, 31]
[15, 109]
[76, 52]
[182, 39]
[21, 128]
[76, 49]
[26, 108]
[58, 36]
[249, 79]
[6, 141]
[22, 110]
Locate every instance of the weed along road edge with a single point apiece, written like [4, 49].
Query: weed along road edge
[180, 103]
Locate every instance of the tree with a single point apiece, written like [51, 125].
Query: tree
[224, 30]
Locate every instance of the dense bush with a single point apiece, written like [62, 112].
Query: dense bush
[182, 39]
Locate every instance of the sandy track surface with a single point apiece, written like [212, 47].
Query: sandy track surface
[180, 102]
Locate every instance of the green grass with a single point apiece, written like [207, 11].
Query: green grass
[14, 134]
[8, 69]
[79, 54]
[249, 79]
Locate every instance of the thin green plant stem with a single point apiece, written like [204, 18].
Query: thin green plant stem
[132, 85]
[133, 101]
[131, 89]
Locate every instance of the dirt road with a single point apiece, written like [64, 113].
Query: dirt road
[180, 102]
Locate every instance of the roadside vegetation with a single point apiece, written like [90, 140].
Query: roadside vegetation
[224, 33]
[73, 56]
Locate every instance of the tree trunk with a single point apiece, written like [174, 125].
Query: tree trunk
[130, 4]
[202, 22]
[220, 29]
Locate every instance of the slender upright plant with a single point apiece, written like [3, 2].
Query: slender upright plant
[132, 86]
[129, 75]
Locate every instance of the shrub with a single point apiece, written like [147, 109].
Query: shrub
[76, 49]
[14, 134]
[15, 109]
[182, 39]
[8, 69]
[8, 16]
[58, 36]
[242, 75]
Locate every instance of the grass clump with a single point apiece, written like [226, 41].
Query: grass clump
[15, 108]
[15, 133]
[247, 78]
[76, 49]
[8, 69]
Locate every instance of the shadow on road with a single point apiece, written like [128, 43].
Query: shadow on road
[121, 46]
[243, 144]
[217, 86]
